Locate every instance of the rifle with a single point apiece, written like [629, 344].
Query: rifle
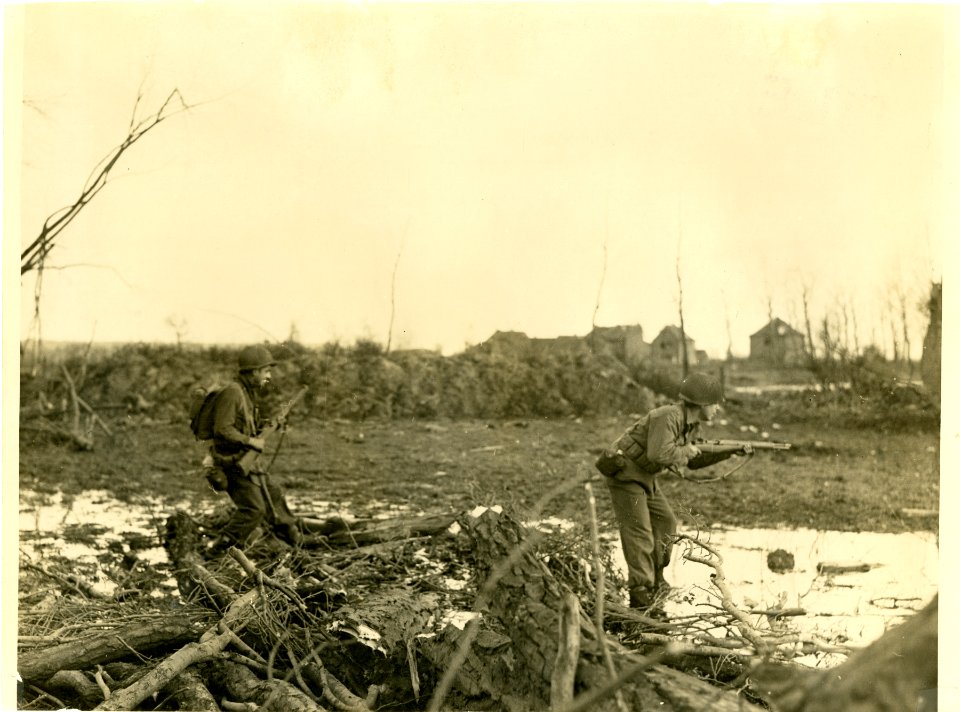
[249, 458]
[721, 446]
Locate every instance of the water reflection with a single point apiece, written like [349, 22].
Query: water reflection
[880, 578]
[899, 572]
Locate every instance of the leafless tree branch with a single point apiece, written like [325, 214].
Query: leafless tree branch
[32, 258]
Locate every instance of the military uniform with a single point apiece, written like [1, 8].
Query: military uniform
[236, 420]
[652, 446]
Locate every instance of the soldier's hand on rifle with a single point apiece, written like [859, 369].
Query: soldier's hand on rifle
[258, 444]
[690, 451]
[747, 449]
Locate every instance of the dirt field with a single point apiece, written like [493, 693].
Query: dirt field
[833, 478]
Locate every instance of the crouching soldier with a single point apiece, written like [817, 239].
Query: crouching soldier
[662, 441]
[237, 422]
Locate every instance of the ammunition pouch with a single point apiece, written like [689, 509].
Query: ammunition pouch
[610, 463]
[636, 453]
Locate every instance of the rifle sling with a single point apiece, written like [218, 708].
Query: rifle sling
[725, 475]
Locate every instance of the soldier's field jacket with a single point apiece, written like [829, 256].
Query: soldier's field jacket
[653, 445]
[236, 419]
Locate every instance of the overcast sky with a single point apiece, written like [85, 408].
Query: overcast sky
[512, 166]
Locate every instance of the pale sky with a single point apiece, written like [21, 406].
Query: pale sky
[496, 155]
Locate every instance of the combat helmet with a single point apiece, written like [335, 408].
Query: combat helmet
[701, 389]
[253, 357]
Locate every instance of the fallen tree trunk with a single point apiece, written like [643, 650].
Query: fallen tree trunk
[888, 676]
[239, 683]
[74, 686]
[137, 638]
[526, 606]
[190, 693]
[373, 532]
[211, 643]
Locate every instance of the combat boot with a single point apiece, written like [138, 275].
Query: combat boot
[641, 597]
[290, 533]
[646, 601]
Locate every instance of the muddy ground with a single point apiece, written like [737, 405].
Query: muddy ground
[835, 477]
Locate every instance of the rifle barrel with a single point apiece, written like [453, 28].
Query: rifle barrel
[723, 445]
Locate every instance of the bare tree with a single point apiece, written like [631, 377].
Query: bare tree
[683, 331]
[901, 295]
[805, 297]
[726, 319]
[180, 327]
[603, 277]
[845, 310]
[393, 287]
[32, 258]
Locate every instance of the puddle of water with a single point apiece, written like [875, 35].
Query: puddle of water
[846, 608]
[851, 608]
[94, 523]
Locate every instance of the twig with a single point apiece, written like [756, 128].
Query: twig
[251, 570]
[746, 628]
[237, 641]
[98, 677]
[96, 417]
[601, 584]
[299, 677]
[589, 700]
[568, 653]
[42, 694]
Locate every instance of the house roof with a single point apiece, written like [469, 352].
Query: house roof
[672, 332]
[776, 327]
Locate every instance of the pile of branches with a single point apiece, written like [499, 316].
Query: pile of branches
[363, 617]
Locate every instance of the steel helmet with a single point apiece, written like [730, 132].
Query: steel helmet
[701, 389]
[253, 357]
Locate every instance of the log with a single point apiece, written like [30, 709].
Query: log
[889, 675]
[190, 693]
[73, 686]
[488, 664]
[138, 638]
[855, 567]
[239, 683]
[373, 532]
[211, 643]
[526, 605]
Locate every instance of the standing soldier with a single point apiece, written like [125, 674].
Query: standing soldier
[661, 441]
[237, 423]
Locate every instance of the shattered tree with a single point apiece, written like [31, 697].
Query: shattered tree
[345, 623]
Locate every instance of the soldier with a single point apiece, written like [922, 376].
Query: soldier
[661, 441]
[237, 422]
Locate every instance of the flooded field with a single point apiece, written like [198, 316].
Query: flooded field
[850, 586]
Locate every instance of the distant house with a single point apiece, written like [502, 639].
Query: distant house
[778, 344]
[668, 347]
[514, 343]
[623, 342]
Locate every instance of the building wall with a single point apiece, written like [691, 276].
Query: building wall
[785, 350]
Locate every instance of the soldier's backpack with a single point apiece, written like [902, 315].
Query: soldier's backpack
[202, 400]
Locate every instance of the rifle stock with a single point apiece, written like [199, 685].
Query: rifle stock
[246, 462]
[738, 445]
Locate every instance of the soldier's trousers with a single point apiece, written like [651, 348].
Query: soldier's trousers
[647, 527]
[254, 509]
